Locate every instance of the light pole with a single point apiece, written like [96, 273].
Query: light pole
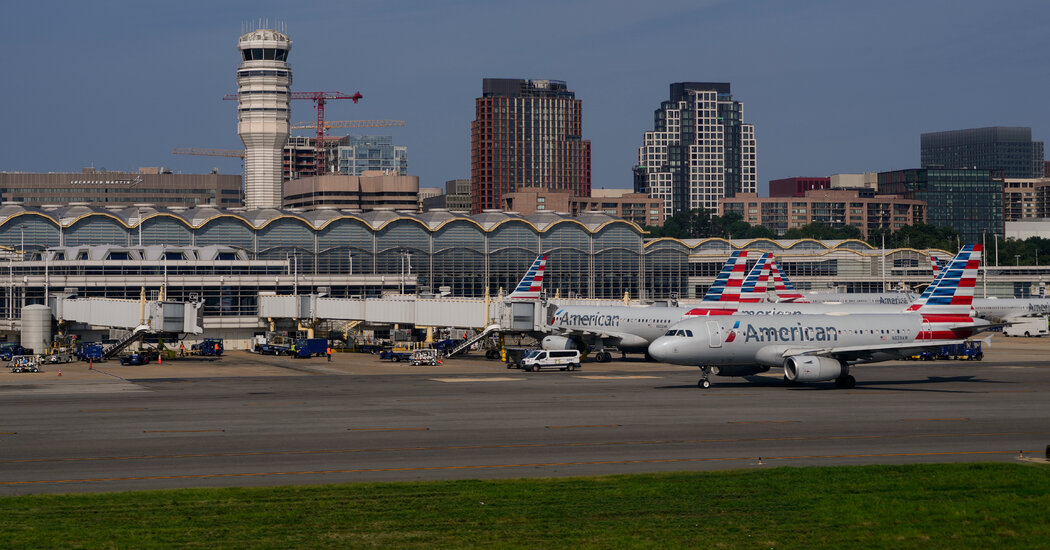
[22, 242]
[1017, 260]
[140, 226]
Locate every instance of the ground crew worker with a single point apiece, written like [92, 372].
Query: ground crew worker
[182, 349]
[293, 349]
[216, 348]
[329, 352]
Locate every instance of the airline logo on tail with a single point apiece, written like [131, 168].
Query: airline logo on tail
[756, 283]
[729, 281]
[783, 288]
[952, 291]
[530, 286]
[726, 288]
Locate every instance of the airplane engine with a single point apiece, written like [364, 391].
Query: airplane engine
[739, 370]
[809, 368]
[561, 342]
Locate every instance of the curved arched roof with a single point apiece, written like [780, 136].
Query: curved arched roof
[194, 218]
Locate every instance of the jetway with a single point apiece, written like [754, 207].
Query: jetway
[519, 316]
[156, 315]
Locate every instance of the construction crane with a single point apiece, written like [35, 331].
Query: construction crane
[319, 99]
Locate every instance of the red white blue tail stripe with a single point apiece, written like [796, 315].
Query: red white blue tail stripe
[757, 281]
[530, 286]
[946, 306]
[782, 287]
[726, 287]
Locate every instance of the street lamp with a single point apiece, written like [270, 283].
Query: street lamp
[1017, 260]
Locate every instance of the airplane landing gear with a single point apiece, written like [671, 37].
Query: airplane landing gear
[845, 382]
[704, 383]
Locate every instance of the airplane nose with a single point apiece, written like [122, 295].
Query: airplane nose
[662, 349]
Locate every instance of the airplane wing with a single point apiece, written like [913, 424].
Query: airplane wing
[867, 353]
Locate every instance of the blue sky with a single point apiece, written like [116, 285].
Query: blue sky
[831, 86]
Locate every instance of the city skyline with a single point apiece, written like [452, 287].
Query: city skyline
[830, 88]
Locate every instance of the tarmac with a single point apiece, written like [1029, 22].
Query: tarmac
[248, 420]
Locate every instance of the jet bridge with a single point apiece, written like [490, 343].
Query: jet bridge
[155, 315]
[517, 316]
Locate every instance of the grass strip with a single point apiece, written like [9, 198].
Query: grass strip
[921, 506]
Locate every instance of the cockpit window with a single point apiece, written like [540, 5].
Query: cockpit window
[686, 333]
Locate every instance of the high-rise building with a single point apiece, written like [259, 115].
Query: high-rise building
[527, 133]
[1008, 149]
[700, 149]
[970, 201]
[263, 82]
[360, 154]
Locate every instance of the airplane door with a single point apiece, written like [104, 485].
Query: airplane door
[926, 328]
[714, 330]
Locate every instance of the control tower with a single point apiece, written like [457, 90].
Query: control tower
[263, 82]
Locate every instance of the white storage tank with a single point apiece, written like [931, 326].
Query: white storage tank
[36, 327]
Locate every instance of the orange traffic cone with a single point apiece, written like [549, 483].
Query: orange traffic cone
[91, 364]
[60, 371]
[158, 360]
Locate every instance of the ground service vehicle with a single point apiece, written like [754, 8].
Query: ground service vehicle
[8, 350]
[427, 357]
[1027, 326]
[310, 347]
[208, 347]
[24, 363]
[564, 359]
[89, 351]
[395, 356]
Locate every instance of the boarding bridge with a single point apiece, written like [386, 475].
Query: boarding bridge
[516, 316]
[156, 315]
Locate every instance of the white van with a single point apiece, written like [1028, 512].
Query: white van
[1027, 326]
[564, 359]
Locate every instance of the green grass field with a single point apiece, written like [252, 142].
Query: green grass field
[928, 506]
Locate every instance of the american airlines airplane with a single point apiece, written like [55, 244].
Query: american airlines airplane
[632, 329]
[822, 347]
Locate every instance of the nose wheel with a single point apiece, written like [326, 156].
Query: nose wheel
[704, 383]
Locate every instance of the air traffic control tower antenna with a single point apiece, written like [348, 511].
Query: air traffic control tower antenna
[263, 81]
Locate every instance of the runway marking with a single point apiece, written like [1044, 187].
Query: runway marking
[609, 377]
[125, 409]
[501, 466]
[585, 426]
[517, 446]
[179, 431]
[387, 429]
[934, 419]
[8, 433]
[765, 422]
[494, 379]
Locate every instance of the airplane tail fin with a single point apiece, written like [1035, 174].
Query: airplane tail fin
[783, 288]
[935, 264]
[726, 287]
[757, 281]
[952, 292]
[532, 283]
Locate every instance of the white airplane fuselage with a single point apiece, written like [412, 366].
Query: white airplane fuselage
[764, 340]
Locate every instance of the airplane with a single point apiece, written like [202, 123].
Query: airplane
[822, 347]
[632, 329]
